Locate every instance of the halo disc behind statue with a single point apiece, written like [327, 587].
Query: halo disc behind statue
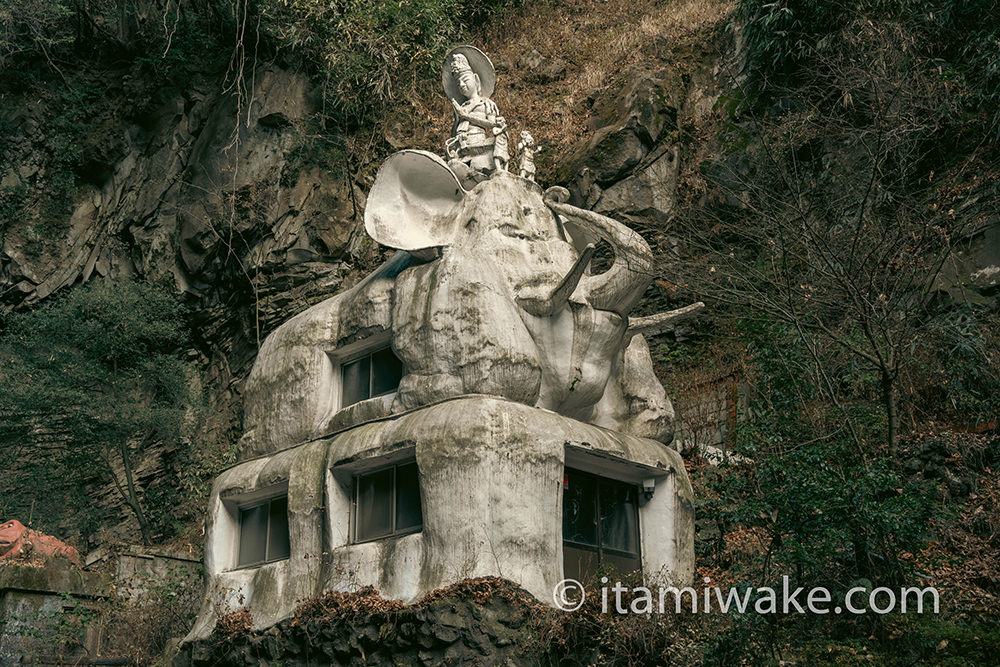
[480, 64]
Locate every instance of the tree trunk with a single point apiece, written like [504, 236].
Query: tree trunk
[133, 499]
[862, 556]
[891, 411]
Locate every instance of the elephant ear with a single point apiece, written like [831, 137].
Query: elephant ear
[414, 202]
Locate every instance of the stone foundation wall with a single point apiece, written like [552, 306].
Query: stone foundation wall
[48, 614]
[479, 622]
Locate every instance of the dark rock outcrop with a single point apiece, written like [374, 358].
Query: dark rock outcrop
[230, 198]
[628, 168]
[208, 192]
[485, 621]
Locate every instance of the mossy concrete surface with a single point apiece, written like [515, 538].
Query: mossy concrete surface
[48, 614]
[491, 496]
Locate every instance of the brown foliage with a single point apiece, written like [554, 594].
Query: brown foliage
[362, 602]
[963, 561]
[234, 624]
[601, 43]
[481, 590]
[599, 634]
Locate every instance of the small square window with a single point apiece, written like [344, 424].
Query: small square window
[374, 374]
[600, 525]
[264, 533]
[387, 503]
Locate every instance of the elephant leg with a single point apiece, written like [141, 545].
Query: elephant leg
[458, 330]
[635, 401]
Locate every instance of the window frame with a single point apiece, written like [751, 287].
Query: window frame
[600, 549]
[366, 353]
[394, 533]
[253, 504]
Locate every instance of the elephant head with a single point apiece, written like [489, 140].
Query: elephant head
[504, 303]
[491, 293]
[418, 204]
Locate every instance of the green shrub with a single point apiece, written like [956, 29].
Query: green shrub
[33, 28]
[12, 200]
[814, 495]
[364, 53]
[88, 381]
[952, 40]
[832, 514]
[959, 372]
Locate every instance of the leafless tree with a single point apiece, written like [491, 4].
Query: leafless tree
[827, 218]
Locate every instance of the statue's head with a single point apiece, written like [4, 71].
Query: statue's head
[467, 73]
[417, 203]
[467, 80]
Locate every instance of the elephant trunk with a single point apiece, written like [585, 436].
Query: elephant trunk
[560, 295]
[619, 288]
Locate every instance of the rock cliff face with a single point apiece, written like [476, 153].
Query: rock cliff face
[230, 197]
[629, 166]
[228, 194]
[206, 192]
[214, 192]
[211, 191]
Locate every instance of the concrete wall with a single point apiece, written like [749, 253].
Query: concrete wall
[491, 475]
[48, 614]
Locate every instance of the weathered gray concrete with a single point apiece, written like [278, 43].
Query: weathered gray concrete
[491, 472]
[292, 392]
[518, 361]
[48, 614]
[508, 309]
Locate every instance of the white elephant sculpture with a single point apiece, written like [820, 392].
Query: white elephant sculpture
[490, 294]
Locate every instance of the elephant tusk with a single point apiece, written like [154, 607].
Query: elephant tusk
[560, 295]
[661, 322]
[619, 288]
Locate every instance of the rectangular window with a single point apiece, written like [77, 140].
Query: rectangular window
[264, 533]
[374, 374]
[600, 525]
[387, 503]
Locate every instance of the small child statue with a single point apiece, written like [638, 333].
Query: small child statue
[527, 149]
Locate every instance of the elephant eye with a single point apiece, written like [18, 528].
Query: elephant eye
[512, 232]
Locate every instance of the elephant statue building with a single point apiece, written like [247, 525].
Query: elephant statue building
[482, 404]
